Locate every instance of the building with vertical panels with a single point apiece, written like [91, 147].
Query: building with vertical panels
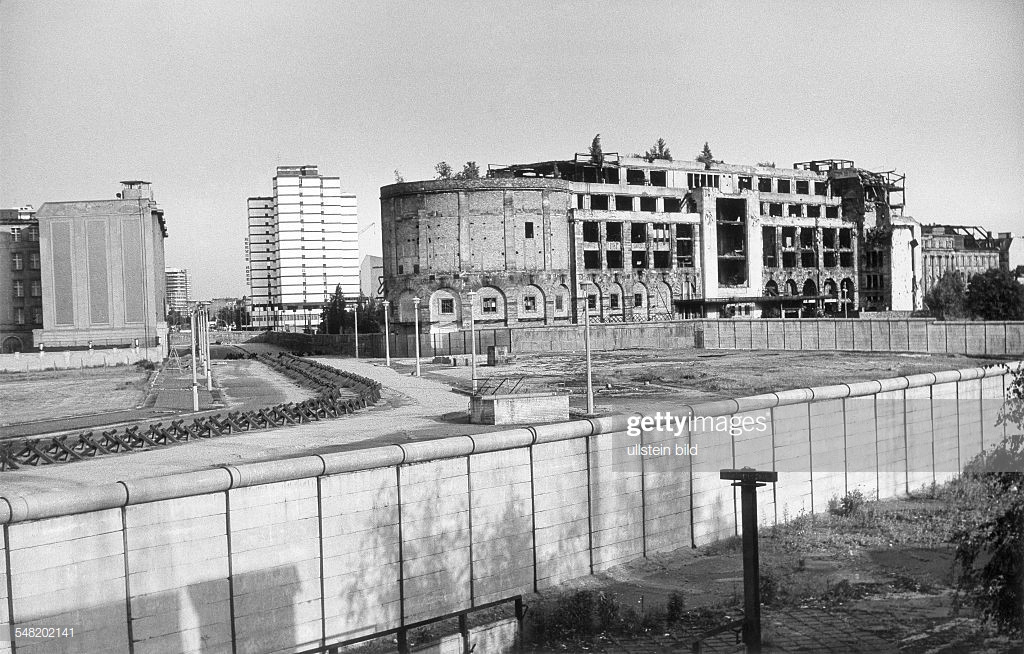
[21, 295]
[179, 289]
[103, 271]
[303, 243]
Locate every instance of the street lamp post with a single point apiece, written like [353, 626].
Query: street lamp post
[195, 382]
[206, 340]
[842, 292]
[387, 336]
[355, 317]
[586, 347]
[416, 316]
[472, 337]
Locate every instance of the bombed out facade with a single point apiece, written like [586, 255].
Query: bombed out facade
[638, 240]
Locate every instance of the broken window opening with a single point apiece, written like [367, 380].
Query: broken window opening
[639, 259]
[783, 186]
[814, 211]
[614, 232]
[830, 259]
[764, 184]
[832, 212]
[794, 210]
[649, 204]
[775, 209]
[789, 259]
[635, 177]
[673, 205]
[662, 259]
[659, 178]
[528, 231]
[807, 237]
[599, 203]
[808, 260]
[746, 183]
[638, 232]
[802, 187]
[821, 188]
[828, 238]
[845, 238]
[684, 246]
[579, 201]
[592, 259]
[614, 258]
[768, 247]
[590, 174]
[530, 303]
[590, 231]
[732, 272]
[660, 231]
[846, 259]
[490, 305]
[732, 210]
[623, 203]
[611, 175]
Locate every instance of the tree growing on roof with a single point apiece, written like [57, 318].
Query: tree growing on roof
[443, 170]
[705, 157]
[596, 153]
[657, 151]
[469, 171]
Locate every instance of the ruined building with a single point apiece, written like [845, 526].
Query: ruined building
[646, 240]
[967, 250]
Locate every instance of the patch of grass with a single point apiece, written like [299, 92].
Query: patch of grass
[577, 618]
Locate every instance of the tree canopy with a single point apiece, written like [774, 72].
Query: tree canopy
[947, 300]
[596, 153]
[469, 171]
[995, 295]
[443, 170]
[705, 157]
[657, 151]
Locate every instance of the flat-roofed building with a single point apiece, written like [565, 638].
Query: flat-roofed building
[179, 289]
[21, 293]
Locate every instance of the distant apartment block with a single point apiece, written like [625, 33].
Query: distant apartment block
[21, 293]
[303, 243]
[179, 289]
[103, 271]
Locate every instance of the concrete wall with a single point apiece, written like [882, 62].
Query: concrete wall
[972, 338]
[518, 409]
[286, 555]
[67, 359]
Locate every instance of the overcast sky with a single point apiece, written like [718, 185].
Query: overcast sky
[205, 99]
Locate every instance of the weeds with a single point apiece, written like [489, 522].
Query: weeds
[849, 504]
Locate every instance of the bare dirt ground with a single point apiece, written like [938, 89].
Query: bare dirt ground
[25, 397]
[641, 379]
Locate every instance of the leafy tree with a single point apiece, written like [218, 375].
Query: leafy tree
[658, 151]
[444, 171]
[398, 177]
[469, 171]
[175, 318]
[995, 295]
[705, 157]
[947, 300]
[766, 164]
[988, 546]
[334, 314]
[596, 153]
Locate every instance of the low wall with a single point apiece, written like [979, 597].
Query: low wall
[910, 335]
[518, 408]
[284, 555]
[67, 359]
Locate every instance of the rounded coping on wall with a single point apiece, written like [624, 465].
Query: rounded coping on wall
[946, 376]
[609, 424]
[795, 396]
[186, 484]
[495, 441]
[833, 392]
[383, 456]
[714, 408]
[269, 472]
[893, 384]
[919, 380]
[864, 388]
[563, 431]
[52, 504]
[442, 448]
[972, 373]
[757, 402]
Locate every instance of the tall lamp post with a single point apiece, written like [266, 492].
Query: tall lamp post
[472, 337]
[586, 347]
[194, 323]
[387, 336]
[355, 320]
[416, 316]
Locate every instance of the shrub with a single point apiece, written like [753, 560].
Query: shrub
[847, 505]
[145, 364]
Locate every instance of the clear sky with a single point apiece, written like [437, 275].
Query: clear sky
[205, 99]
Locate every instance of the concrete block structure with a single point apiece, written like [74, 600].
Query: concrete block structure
[641, 240]
[103, 271]
[303, 244]
[21, 294]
